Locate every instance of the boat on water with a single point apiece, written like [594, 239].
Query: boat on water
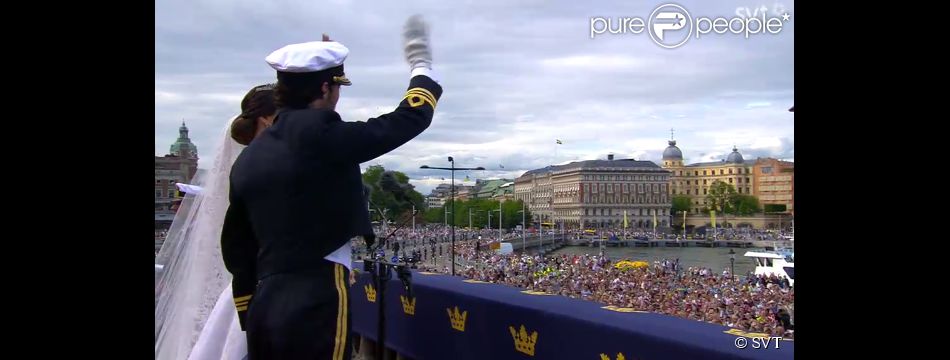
[780, 262]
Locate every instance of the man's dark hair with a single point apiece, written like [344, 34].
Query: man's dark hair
[298, 90]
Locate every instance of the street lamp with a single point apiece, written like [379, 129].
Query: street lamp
[447, 212]
[732, 262]
[524, 226]
[470, 217]
[684, 224]
[541, 235]
[452, 169]
[478, 244]
[499, 222]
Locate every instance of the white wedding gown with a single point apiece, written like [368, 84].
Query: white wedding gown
[221, 337]
[195, 317]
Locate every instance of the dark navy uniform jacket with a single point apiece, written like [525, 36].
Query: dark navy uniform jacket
[296, 191]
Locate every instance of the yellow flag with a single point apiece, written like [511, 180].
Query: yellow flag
[712, 214]
[625, 219]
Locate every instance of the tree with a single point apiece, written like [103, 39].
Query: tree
[775, 208]
[512, 216]
[720, 196]
[384, 200]
[434, 215]
[480, 208]
[744, 205]
[680, 203]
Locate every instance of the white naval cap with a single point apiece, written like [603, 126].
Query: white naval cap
[308, 57]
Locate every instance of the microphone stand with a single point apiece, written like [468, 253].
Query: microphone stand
[381, 272]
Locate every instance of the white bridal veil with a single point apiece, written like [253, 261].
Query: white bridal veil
[192, 274]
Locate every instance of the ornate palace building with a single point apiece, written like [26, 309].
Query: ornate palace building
[180, 165]
[770, 180]
[595, 193]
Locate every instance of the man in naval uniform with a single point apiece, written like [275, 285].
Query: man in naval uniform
[297, 199]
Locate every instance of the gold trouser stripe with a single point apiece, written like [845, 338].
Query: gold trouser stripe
[339, 347]
[243, 298]
[345, 291]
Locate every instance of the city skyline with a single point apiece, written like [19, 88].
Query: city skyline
[426, 184]
[516, 79]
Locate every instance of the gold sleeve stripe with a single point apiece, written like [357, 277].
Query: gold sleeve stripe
[418, 96]
[423, 93]
[416, 99]
[242, 308]
[243, 298]
[241, 303]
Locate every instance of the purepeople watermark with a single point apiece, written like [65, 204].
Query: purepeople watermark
[671, 25]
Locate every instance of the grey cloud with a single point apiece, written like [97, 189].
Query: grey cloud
[513, 81]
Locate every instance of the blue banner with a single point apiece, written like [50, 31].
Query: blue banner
[451, 318]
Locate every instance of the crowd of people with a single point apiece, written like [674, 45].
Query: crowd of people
[758, 304]
[751, 303]
[720, 234]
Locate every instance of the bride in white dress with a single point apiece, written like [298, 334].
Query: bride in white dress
[195, 317]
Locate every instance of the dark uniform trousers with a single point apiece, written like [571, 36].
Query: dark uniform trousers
[294, 317]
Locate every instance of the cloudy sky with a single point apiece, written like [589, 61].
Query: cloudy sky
[516, 74]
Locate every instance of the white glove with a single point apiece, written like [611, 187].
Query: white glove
[415, 38]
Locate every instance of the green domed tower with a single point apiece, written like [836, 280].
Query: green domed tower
[183, 146]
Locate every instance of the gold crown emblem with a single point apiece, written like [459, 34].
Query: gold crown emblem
[409, 307]
[607, 357]
[458, 320]
[370, 293]
[523, 342]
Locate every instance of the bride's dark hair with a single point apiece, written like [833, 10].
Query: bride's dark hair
[258, 102]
